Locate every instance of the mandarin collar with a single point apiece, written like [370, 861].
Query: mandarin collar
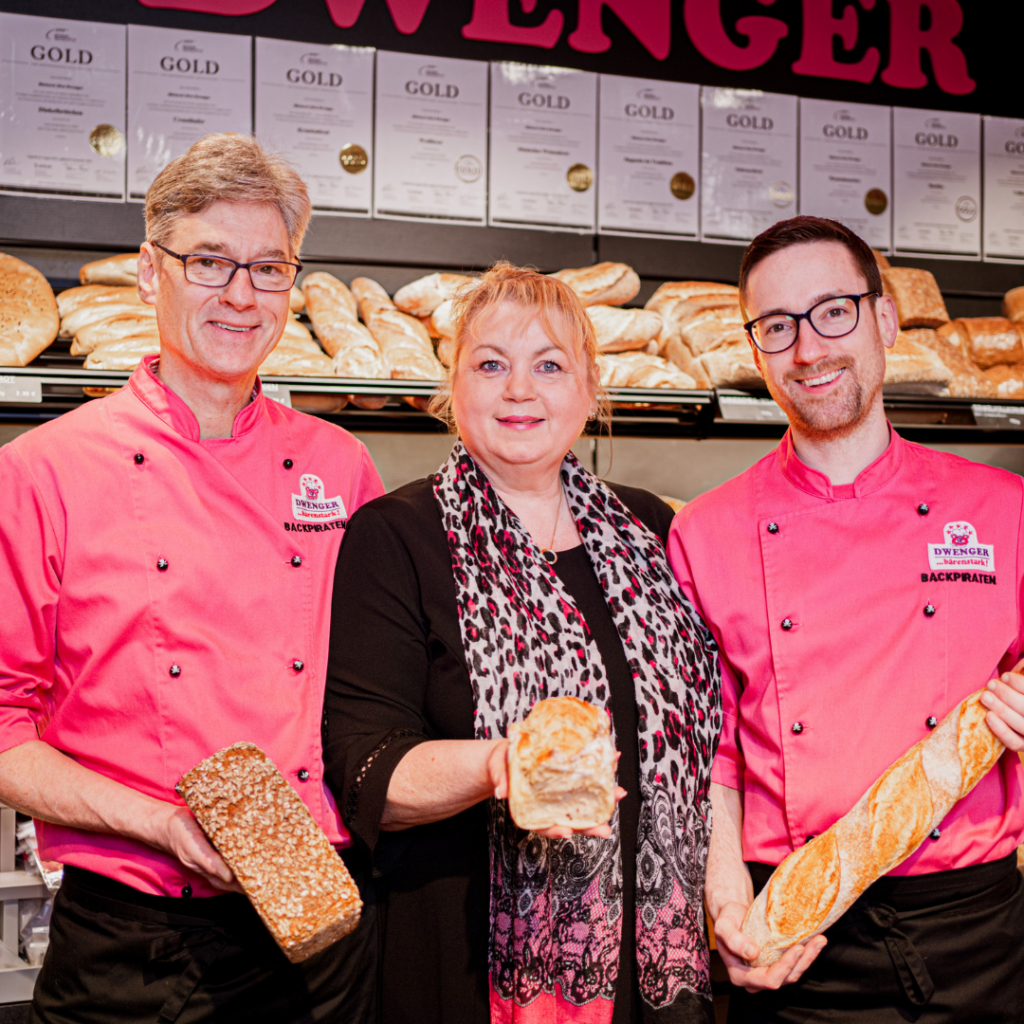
[869, 480]
[172, 410]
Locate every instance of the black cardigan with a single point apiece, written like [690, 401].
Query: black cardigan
[397, 676]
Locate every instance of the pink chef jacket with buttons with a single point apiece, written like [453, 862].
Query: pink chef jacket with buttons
[846, 618]
[166, 596]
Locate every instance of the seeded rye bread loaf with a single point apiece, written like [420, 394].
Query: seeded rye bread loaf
[561, 766]
[298, 884]
[816, 884]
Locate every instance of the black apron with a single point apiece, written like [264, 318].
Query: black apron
[935, 949]
[119, 955]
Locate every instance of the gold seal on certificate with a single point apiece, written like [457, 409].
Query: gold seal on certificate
[468, 168]
[353, 158]
[682, 185]
[782, 194]
[876, 202]
[580, 177]
[106, 140]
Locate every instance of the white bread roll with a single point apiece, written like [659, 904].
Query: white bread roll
[112, 270]
[816, 884]
[420, 298]
[561, 766]
[916, 294]
[620, 330]
[113, 328]
[28, 312]
[608, 284]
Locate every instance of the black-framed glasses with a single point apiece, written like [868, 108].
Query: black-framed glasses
[831, 318]
[218, 271]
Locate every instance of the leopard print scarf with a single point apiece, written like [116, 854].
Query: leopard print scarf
[556, 905]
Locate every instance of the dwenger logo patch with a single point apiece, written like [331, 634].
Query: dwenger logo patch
[961, 550]
[311, 506]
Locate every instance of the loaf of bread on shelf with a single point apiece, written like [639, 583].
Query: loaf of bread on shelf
[72, 299]
[918, 299]
[701, 293]
[641, 370]
[620, 330]
[880, 259]
[405, 344]
[324, 293]
[125, 354]
[441, 323]
[111, 270]
[332, 309]
[608, 284]
[1013, 304]
[113, 328]
[421, 297]
[990, 340]
[284, 361]
[561, 766]
[297, 334]
[296, 299]
[1003, 382]
[708, 329]
[287, 867]
[730, 365]
[370, 297]
[915, 368]
[816, 884]
[28, 312]
[967, 380]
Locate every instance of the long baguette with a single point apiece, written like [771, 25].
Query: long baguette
[815, 885]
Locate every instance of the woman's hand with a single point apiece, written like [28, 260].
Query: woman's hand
[497, 769]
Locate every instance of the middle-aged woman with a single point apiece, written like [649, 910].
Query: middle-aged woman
[511, 575]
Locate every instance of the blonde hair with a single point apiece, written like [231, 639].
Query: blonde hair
[538, 296]
[227, 168]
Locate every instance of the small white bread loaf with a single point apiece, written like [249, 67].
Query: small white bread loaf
[1013, 304]
[700, 293]
[620, 330]
[111, 270]
[125, 354]
[298, 884]
[729, 365]
[422, 297]
[910, 363]
[561, 766]
[28, 312]
[709, 329]
[916, 294]
[95, 295]
[113, 328]
[609, 284]
[816, 884]
[991, 340]
[370, 297]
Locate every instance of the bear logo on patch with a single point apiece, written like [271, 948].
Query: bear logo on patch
[310, 505]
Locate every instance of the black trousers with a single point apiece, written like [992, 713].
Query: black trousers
[936, 949]
[118, 955]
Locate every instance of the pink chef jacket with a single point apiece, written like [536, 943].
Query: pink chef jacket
[846, 618]
[167, 596]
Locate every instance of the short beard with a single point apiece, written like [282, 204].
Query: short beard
[837, 415]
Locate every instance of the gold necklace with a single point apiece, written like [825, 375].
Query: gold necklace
[547, 554]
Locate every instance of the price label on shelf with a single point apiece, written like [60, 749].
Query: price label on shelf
[747, 409]
[999, 417]
[14, 388]
[278, 392]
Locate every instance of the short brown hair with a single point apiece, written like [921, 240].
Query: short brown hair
[227, 168]
[538, 294]
[804, 229]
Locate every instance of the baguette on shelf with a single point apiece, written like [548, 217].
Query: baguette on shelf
[111, 270]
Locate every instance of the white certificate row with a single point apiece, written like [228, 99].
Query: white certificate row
[96, 111]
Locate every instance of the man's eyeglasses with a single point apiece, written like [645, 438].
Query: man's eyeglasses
[831, 318]
[218, 271]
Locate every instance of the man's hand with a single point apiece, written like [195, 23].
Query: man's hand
[735, 947]
[1005, 702]
[176, 832]
[497, 769]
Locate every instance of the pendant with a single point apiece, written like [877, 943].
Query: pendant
[548, 555]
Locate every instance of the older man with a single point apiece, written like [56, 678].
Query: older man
[843, 642]
[169, 589]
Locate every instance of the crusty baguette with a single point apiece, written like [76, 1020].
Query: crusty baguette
[423, 296]
[609, 284]
[298, 884]
[370, 297]
[561, 766]
[125, 354]
[405, 344]
[672, 292]
[816, 884]
[620, 330]
[918, 300]
[111, 270]
[113, 328]
[296, 299]
[28, 312]
[324, 293]
[332, 308]
[95, 294]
